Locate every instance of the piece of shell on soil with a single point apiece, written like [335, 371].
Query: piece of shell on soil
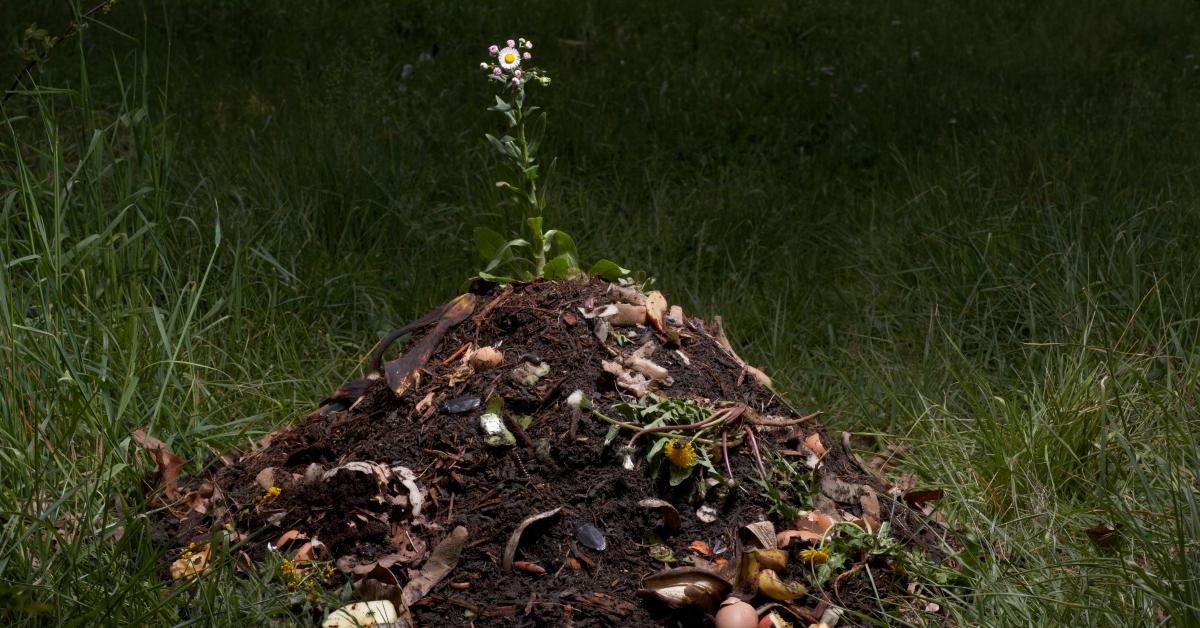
[514, 541]
[685, 587]
[670, 516]
[268, 477]
[375, 613]
[706, 513]
[735, 613]
[485, 358]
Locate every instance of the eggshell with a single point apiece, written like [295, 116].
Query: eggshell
[735, 613]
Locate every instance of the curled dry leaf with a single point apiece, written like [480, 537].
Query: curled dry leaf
[811, 526]
[409, 480]
[167, 465]
[700, 547]
[401, 372]
[870, 504]
[670, 516]
[762, 534]
[192, 564]
[200, 499]
[312, 550]
[267, 478]
[916, 499]
[514, 541]
[685, 587]
[286, 538]
[441, 562]
[840, 490]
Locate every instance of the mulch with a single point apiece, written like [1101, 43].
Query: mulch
[366, 527]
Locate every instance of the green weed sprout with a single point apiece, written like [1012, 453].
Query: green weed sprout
[547, 253]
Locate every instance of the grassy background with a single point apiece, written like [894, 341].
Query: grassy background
[971, 226]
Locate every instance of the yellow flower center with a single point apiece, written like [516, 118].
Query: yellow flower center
[510, 57]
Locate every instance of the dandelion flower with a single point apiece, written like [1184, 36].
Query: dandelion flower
[815, 555]
[493, 49]
[682, 456]
[509, 58]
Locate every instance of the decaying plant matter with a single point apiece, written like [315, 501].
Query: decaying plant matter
[517, 465]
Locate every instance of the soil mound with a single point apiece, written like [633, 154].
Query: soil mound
[483, 478]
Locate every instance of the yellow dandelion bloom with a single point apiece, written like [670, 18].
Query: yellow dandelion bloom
[272, 492]
[682, 456]
[815, 555]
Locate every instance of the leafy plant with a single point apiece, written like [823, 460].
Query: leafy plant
[670, 452]
[785, 485]
[552, 253]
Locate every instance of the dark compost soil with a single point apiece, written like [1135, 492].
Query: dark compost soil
[559, 460]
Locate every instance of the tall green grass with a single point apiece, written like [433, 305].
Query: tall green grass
[968, 227]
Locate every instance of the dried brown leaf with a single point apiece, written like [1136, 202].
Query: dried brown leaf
[168, 465]
[514, 541]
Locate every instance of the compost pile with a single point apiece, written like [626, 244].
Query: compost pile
[567, 453]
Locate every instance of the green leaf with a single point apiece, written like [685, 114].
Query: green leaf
[495, 278]
[488, 242]
[500, 105]
[608, 270]
[562, 243]
[611, 435]
[678, 475]
[561, 267]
